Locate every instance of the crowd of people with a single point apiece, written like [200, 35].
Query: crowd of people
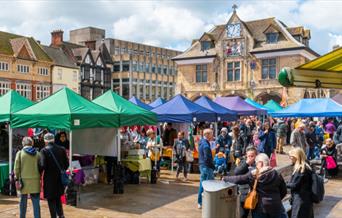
[244, 152]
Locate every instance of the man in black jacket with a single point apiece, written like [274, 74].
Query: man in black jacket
[245, 166]
[53, 188]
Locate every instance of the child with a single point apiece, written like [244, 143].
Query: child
[328, 155]
[220, 163]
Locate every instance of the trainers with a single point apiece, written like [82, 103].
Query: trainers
[199, 206]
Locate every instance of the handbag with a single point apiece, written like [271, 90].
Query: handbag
[189, 156]
[252, 196]
[19, 184]
[64, 176]
[273, 160]
[331, 164]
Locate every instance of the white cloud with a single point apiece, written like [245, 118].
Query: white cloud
[335, 39]
[160, 25]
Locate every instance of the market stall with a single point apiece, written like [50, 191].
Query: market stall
[136, 101]
[272, 106]
[316, 107]
[129, 115]
[322, 72]
[187, 112]
[10, 103]
[256, 104]
[66, 110]
[238, 105]
[159, 101]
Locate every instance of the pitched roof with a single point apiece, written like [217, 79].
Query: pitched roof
[105, 54]
[80, 53]
[299, 30]
[6, 47]
[18, 44]
[59, 57]
[285, 41]
[257, 30]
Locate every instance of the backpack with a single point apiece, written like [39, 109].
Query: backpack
[317, 188]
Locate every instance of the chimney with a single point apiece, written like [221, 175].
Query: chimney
[56, 38]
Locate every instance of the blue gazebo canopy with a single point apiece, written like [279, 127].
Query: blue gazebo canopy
[256, 104]
[223, 113]
[316, 107]
[181, 110]
[159, 101]
[136, 101]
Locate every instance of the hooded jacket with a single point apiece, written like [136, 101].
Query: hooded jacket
[27, 168]
[271, 189]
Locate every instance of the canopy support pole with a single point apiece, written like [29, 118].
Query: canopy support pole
[10, 152]
[216, 129]
[70, 152]
[119, 146]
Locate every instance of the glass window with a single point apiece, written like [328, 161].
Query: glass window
[85, 92]
[201, 73]
[233, 71]
[24, 89]
[4, 87]
[206, 45]
[116, 67]
[272, 37]
[3, 66]
[23, 68]
[269, 68]
[42, 91]
[125, 66]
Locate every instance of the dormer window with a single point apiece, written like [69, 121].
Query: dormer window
[272, 37]
[206, 45]
[298, 38]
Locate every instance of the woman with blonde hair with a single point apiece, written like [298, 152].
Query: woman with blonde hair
[300, 185]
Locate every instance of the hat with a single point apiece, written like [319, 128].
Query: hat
[224, 129]
[49, 137]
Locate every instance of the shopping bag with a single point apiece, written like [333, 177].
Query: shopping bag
[189, 156]
[331, 164]
[273, 160]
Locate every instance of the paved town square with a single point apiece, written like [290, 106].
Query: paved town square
[155, 108]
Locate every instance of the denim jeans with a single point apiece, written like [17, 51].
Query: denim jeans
[206, 174]
[35, 198]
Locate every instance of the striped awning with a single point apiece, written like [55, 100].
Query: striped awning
[322, 72]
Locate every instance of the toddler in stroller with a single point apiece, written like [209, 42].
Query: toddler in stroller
[220, 164]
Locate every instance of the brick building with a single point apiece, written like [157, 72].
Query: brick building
[94, 63]
[243, 58]
[144, 71]
[24, 67]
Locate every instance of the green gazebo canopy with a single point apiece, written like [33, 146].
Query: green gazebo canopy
[130, 114]
[10, 103]
[65, 110]
[272, 105]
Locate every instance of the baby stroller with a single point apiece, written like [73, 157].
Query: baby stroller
[220, 164]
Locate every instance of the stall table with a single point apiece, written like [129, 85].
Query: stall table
[142, 165]
[4, 169]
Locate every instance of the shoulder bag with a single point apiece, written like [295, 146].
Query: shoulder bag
[252, 196]
[64, 176]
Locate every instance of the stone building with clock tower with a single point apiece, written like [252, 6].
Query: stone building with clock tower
[243, 58]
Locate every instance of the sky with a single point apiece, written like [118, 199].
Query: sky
[167, 23]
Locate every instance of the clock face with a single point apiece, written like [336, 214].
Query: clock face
[233, 30]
